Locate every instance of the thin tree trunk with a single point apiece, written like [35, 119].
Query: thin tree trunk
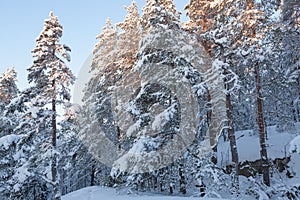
[54, 131]
[260, 116]
[261, 126]
[93, 175]
[233, 147]
[231, 133]
[209, 115]
[182, 180]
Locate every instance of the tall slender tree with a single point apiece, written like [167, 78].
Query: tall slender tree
[251, 17]
[251, 30]
[51, 77]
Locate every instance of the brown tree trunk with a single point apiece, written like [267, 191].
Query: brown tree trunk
[54, 130]
[260, 116]
[261, 126]
[233, 147]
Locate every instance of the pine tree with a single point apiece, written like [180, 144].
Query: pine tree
[286, 35]
[149, 12]
[166, 56]
[128, 39]
[8, 91]
[8, 86]
[104, 53]
[225, 31]
[51, 77]
[250, 24]
[29, 155]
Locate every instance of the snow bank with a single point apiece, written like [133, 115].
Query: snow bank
[295, 145]
[96, 193]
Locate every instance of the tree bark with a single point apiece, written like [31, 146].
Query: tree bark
[261, 126]
[233, 147]
[54, 131]
[260, 116]
[93, 170]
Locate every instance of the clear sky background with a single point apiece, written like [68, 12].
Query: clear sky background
[21, 21]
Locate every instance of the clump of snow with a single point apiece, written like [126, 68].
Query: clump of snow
[7, 140]
[133, 128]
[33, 110]
[20, 176]
[295, 145]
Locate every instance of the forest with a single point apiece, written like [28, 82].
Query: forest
[205, 108]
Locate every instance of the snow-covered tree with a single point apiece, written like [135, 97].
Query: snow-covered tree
[8, 91]
[253, 32]
[96, 116]
[77, 167]
[169, 60]
[8, 86]
[51, 78]
[285, 34]
[29, 155]
[150, 12]
[104, 51]
[210, 21]
[128, 39]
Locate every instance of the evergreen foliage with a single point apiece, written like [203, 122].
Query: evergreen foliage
[233, 66]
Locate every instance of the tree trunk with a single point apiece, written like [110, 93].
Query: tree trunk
[93, 175]
[233, 147]
[260, 116]
[182, 180]
[261, 126]
[54, 159]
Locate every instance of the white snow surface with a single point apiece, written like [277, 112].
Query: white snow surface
[279, 145]
[101, 193]
[295, 145]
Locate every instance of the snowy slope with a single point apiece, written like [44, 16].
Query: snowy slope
[100, 193]
[278, 145]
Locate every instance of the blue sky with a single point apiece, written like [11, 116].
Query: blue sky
[22, 21]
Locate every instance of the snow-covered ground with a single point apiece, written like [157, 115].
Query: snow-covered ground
[101, 193]
[279, 145]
